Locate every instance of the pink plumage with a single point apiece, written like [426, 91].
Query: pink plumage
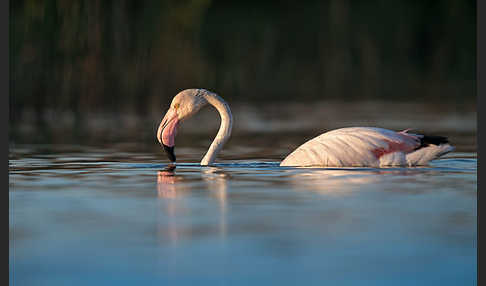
[367, 147]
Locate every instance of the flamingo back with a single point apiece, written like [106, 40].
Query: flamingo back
[359, 147]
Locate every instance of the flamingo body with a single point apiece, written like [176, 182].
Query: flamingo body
[367, 147]
[345, 147]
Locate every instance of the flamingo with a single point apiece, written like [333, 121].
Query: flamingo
[344, 147]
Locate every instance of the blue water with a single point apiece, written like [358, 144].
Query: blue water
[100, 216]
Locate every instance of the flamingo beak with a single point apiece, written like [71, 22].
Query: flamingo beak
[167, 132]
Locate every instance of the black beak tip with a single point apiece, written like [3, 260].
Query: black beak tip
[170, 169]
[170, 152]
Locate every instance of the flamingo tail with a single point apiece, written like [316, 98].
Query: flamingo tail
[427, 140]
[430, 152]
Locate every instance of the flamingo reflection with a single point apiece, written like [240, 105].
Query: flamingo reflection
[172, 190]
[173, 205]
[341, 182]
[216, 181]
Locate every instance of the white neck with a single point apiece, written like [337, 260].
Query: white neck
[224, 130]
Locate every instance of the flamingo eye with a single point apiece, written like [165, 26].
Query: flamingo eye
[176, 105]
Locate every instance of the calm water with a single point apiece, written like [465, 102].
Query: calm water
[106, 214]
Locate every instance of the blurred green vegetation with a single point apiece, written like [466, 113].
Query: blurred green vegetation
[134, 56]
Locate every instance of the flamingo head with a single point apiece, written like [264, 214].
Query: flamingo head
[184, 105]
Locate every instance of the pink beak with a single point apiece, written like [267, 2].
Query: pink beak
[167, 132]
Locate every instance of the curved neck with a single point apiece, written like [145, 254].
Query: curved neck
[224, 130]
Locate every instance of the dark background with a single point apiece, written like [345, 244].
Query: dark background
[71, 61]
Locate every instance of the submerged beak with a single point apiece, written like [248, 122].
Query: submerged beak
[167, 132]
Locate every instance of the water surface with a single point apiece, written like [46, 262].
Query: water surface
[100, 215]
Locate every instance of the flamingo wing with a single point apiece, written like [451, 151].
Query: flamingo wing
[364, 146]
